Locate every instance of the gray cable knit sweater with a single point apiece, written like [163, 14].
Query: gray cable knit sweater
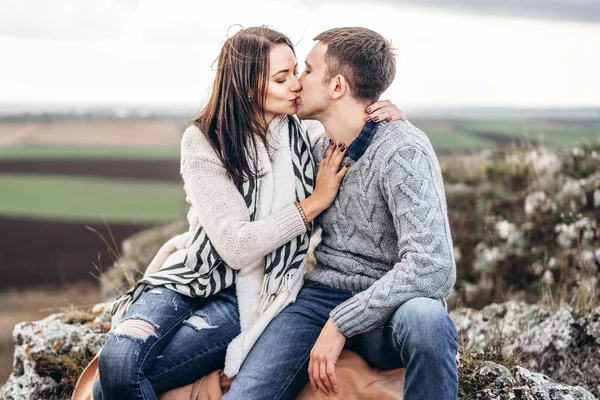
[387, 233]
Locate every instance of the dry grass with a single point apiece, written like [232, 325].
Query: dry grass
[469, 385]
[529, 263]
[64, 369]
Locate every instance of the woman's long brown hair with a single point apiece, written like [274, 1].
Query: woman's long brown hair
[233, 119]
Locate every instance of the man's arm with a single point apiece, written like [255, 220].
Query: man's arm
[413, 188]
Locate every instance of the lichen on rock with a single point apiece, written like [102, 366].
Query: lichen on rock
[51, 353]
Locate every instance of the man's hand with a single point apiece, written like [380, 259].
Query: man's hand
[323, 357]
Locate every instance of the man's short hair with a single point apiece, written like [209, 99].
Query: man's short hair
[365, 58]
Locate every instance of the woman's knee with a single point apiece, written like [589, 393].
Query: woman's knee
[135, 329]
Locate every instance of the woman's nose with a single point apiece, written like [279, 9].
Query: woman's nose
[296, 86]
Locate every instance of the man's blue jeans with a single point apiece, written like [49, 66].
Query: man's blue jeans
[167, 341]
[420, 336]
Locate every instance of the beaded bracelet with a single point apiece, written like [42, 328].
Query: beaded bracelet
[301, 211]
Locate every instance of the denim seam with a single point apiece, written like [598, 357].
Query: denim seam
[291, 379]
[395, 330]
[209, 350]
[395, 338]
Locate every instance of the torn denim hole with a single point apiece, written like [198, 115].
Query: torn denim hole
[175, 302]
[155, 291]
[141, 317]
[199, 322]
[136, 329]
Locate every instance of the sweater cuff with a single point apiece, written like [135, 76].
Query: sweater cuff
[290, 223]
[350, 317]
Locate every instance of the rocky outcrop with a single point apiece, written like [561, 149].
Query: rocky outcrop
[488, 380]
[51, 353]
[557, 342]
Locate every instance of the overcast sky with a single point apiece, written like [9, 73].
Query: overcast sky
[518, 53]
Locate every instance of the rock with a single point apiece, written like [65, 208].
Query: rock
[543, 388]
[512, 325]
[51, 353]
[493, 381]
[558, 343]
[495, 374]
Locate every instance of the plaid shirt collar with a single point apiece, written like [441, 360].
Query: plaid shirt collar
[358, 147]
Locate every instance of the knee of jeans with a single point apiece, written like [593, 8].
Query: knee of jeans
[121, 350]
[424, 324]
[118, 366]
[134, 328]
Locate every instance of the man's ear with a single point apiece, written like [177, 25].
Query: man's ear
[339, 85]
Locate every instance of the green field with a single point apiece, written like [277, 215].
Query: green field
[90, 199]
[82, 152]
[455, 140]
[555, 133]
[466, 134]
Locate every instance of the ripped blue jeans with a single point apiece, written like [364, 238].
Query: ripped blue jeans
[166, 340]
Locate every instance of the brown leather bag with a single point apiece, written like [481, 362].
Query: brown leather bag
[85, 383]
[357, 380]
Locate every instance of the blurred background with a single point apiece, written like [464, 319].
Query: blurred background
[94, 97]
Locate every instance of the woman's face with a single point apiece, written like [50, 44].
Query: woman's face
[282, 85]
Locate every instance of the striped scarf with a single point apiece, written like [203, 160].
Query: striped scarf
[203, 273]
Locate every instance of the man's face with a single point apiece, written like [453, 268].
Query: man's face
[313, 99]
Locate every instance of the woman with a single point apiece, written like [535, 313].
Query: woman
[248, 172]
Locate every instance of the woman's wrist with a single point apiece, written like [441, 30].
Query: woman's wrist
[307, 224]
[312, 207]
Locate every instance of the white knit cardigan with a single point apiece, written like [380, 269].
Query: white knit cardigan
[217, 205]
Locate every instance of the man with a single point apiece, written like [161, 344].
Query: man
[385, 263]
